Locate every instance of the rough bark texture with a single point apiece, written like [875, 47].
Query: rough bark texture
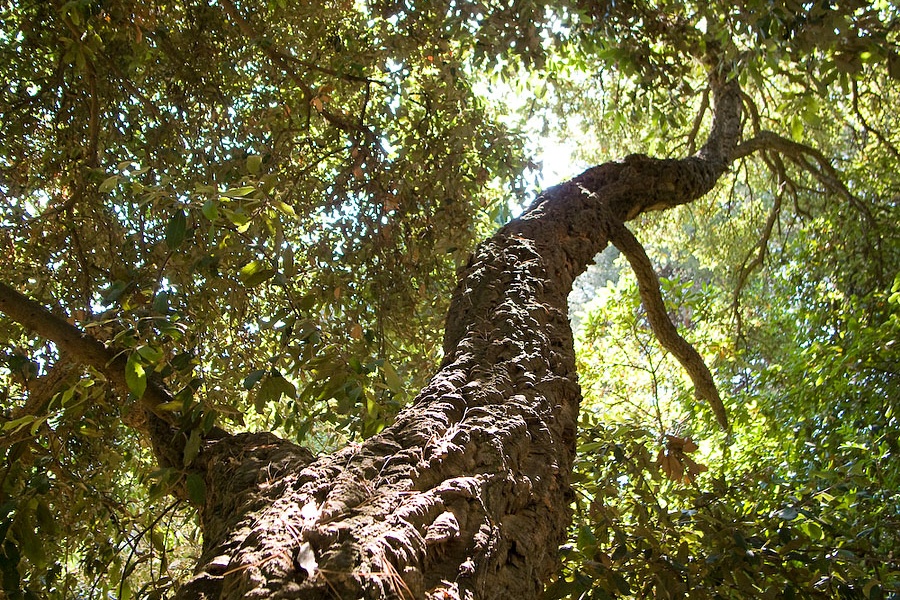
[467, 494]
[663, 328]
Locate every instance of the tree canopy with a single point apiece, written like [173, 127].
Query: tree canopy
[261, 208]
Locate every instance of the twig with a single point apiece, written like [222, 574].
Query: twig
[887, 143]
[807, 158]
[80, 346]
[749, 265]
[698, 119]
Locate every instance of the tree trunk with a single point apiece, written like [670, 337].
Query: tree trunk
[467, 494]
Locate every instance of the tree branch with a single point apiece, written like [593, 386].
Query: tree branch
[800, 154]
[698, 120]
[862, 119]
[282, 60]
[663, 328]
[79, 346]
[750, 264]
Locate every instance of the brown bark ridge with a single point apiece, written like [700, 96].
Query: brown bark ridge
[467, 494]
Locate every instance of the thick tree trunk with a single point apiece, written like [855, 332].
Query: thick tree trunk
[467, 494]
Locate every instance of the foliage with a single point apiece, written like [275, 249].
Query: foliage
[274, 240]
[263, 205]
[800, 499]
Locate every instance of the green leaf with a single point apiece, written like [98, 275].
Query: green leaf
[172, 406]
[255, 272]
[109, 184]
[192, 447]
[135, 376]
[210, 210]
[252, 379]
[272, 389]
[812, 530]
[114, 292]
[621, 583]
[284, 207]
[161, 303]
[239, 192]
[157, 539]
[797, 129]
[238, 218]
[391, 379]
[176, 229]
[17, 424]
[196, 488]
[586, 540]
[254, 161]
[149, 353]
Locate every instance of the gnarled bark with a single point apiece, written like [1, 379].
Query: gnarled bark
[467, 494]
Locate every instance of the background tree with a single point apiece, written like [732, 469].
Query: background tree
[259, 209]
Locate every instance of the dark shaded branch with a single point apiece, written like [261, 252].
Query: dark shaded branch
[753, 111]
[698, 120]
[40, 393]
[80, 347]
[807, 158]
[663, 328]
[817, 164]
[749, 265]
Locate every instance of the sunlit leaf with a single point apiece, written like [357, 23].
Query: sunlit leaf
[135, 376]
[391, 379]
[254, 162]
[109, 184]
[239, 192]
[255, 272]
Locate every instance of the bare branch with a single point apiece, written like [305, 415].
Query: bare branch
[887, 143]
[807, 158]
[663, 328]
[698, 119]
[752, 110]
[751, 264]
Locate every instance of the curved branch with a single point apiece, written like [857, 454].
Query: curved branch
[79, 346]
[807, 158]
[665, 331]
[862, 119]
[698, 120]
[750, 264]
[442, 502]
